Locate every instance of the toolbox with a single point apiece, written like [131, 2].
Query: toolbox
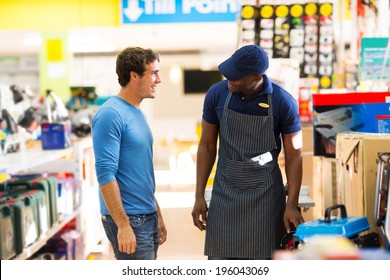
[342, 225]
[7, 232]
[25, 221]
[42, 209]
[350, 227]
[46, 184]
[31, 220]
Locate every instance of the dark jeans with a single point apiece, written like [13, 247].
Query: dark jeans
[146, 233]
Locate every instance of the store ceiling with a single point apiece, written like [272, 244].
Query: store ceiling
[183, 37]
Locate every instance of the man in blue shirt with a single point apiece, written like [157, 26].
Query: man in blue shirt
[251, 117]
[122, 143]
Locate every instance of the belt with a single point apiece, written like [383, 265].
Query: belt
[105, 217]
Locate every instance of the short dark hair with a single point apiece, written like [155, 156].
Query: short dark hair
[133, 59]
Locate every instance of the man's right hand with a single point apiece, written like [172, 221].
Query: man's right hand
[199, 214]
[127, 242]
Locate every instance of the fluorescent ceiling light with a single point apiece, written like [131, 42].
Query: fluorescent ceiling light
[85, 39]
[32, 41]
[175, 74]
[90, 48]
[89, 44]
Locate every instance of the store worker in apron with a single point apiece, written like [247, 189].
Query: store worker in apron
[123, 148]
[251, 116]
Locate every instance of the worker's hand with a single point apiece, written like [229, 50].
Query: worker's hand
[199, 214]
[162, 231]
[127, 242]
[292, 215]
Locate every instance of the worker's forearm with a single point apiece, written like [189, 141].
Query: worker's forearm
[294, 178]
[204, 164]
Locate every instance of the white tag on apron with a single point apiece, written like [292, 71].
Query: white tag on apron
[263, 158]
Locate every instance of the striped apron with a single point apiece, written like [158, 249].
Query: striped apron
[245, 216]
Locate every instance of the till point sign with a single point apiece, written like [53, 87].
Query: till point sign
[166, 11]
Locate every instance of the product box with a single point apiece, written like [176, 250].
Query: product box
[347, 112]
[3, 174]
[307, 162]
[324, 191]
[75, 242]
[56, 135]
[356, 158]
[7, 232]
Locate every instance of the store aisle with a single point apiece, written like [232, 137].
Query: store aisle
[184, 242]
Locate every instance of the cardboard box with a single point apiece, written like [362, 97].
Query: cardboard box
[307, 156]
[324, 185]
[348, 112]
[356, 157]
[307, 166]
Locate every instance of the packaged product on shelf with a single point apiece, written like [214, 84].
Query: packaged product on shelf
[25, 222]
[56, 135]
[47, 185]
[75, 242]
[43, 212]
[334, 113]
[69, 192]
[7, 232]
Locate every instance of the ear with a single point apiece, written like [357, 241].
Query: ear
[133, 75]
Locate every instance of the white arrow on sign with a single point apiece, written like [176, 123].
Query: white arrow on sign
[133, 11]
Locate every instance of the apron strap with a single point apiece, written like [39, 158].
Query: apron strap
[225, 106]
[270, 111]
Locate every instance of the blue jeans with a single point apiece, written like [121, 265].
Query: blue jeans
[145, 227]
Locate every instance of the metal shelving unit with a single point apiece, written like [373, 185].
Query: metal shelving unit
[71, 160]
[31, 158]
[34, 247]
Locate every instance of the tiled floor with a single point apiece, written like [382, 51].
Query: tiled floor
[184, 240]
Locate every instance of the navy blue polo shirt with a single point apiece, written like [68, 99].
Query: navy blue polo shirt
[284, 106]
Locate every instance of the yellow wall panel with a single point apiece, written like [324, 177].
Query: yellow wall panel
[58, 14]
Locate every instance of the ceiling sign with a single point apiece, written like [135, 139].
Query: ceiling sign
[173, 11]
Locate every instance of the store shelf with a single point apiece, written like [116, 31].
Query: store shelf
[77, 160]
[33, 248]
[31, 158]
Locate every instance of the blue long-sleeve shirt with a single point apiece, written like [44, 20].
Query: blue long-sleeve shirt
[123, 148]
